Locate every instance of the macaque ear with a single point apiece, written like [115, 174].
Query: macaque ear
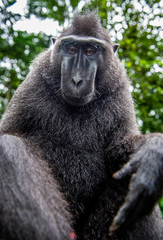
[53, 39]
[115, 47]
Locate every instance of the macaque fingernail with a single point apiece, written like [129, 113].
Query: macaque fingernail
[112, 229]
[115, 175]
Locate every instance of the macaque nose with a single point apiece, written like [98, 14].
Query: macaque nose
[77, 82]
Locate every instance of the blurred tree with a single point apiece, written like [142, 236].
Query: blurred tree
[58, 10]
[134, 24]
[17, 49]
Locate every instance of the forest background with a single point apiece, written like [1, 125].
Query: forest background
[135, 25]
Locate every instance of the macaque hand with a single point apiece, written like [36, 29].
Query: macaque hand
[146, 170]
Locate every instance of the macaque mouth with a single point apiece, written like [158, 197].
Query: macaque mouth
[77, 100]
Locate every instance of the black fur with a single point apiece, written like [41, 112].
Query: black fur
[84, 146]
[31, 206]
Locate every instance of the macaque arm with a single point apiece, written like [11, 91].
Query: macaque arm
[31, 205]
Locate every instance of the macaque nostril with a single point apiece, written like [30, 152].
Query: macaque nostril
[77, 82]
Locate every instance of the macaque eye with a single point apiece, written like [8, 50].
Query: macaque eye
[71, 50]
[90, 51]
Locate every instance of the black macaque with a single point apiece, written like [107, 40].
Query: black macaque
[67, 131]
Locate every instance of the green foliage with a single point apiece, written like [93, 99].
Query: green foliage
[161, 205]
[136, 28]
[51, 9]
[141, 48]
